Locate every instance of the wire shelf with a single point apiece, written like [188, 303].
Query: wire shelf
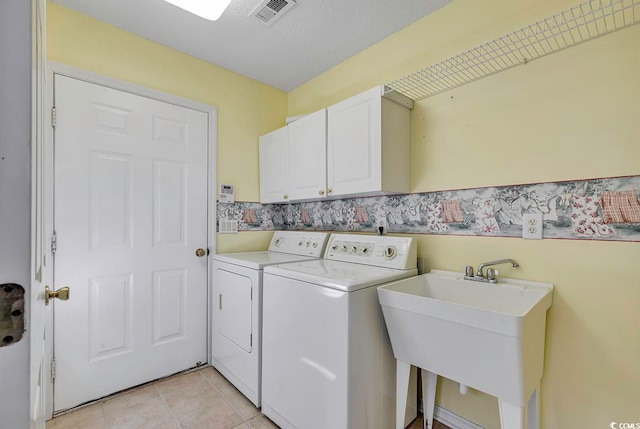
[568, 28]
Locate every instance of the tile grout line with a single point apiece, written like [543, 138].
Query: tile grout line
[104, 416]
[175, 419]
[244, 420]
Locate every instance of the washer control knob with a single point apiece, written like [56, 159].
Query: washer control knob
[390, 252]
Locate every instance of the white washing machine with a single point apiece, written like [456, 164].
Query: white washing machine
[237, 306]
[327, 360]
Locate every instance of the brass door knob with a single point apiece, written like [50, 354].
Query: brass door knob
[200, 252]
[61, 294]
[321, 192]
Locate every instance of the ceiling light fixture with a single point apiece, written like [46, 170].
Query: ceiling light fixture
[207, 9]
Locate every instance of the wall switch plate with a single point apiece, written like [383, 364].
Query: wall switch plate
[532, 226]
[228, 226]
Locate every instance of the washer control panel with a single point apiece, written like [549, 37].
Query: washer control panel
[299, 242]
[382, 251]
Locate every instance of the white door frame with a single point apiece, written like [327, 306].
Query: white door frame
[47, 169]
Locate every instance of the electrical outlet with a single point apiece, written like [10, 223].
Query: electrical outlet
[532, 226]
[382, 223]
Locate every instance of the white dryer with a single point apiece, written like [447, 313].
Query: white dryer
[327, 360]
[237, 305]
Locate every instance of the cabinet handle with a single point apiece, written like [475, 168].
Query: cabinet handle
[321, 192]
[285, 197]
[329, 191]
[220, 301]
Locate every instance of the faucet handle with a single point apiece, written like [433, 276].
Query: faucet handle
[492, 273]
[468, 271]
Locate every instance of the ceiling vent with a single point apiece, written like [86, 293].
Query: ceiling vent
[268, 11]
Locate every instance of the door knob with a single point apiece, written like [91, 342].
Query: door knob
[61, 294]
[200, 252]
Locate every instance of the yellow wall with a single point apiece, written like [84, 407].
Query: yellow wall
[246, 108]
[571, 115]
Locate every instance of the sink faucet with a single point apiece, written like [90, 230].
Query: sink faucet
[491, 273]
[499, 261]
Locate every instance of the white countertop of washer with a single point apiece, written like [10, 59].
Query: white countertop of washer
[339, 275]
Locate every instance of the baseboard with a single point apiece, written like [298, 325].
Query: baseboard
[453, 420]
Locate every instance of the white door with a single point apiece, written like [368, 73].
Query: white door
[308, 156]
[130, 212]
[354, 144]
[41, 271]
[274, 166]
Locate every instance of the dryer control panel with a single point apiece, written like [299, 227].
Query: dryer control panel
[381, 251]
[299, 243]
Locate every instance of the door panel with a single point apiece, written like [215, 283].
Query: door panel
[169, 192]
[130, 211]
[169, 312]
[110, 201]
[110, 318]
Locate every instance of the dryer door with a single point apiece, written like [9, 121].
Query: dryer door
[233, 307]
[236, 326]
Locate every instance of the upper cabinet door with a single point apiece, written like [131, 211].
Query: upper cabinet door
[274, 165]
[354, 144]
[308, 156]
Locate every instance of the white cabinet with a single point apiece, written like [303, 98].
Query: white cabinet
[293, 160]
[274, 166]
[369, 145]
[308, 156]
[358, 147]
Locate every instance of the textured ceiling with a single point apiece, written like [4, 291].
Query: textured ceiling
[309, 39]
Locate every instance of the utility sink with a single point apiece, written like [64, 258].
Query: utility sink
[486, 336]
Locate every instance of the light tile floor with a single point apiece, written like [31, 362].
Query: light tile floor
[201, 399]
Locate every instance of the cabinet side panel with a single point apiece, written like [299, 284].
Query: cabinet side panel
[396, 147]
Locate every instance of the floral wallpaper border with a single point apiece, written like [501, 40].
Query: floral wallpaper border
[594, 209]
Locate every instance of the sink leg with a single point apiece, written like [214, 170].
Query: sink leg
[512, 416]
[403, 372]
[429, 381]
[533, 410]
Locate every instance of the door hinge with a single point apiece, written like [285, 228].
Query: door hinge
[54, 242]
[53, 117]
[53, 370]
